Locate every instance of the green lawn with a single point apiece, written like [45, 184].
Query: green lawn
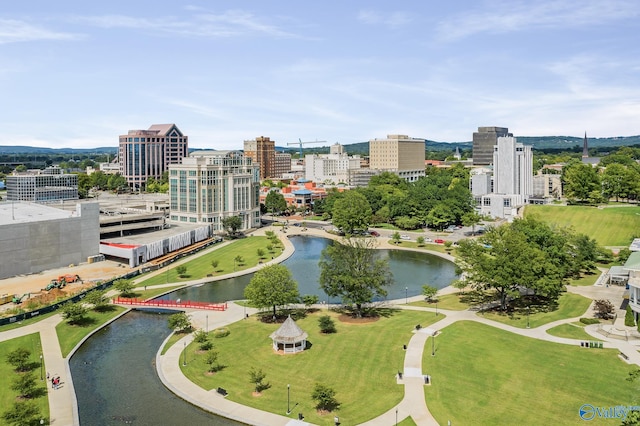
[426, 246]
[614, 226]
[31, 342]
[454, 302]
[485, 376]
[200, 267]
[574, 330]
[586, 279]
[360, 362]
[70, 335]
[28, 321]
[569, 305]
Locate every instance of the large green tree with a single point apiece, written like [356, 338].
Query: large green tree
[352, 213]
[275, 202]
[581, 182]
[232, 224]
[272, 286]
[350, 270]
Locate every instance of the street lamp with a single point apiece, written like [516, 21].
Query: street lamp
[288, 399]
[184, 361]
[433, 344]
[41, 376]
[528, 309]
[406, 295]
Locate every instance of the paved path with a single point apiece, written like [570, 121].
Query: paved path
[62, 402]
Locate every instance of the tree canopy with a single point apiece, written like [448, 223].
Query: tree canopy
[272, 286]
[275, 202]
[352, 213]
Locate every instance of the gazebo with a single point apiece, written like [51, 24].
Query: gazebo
[289, 338]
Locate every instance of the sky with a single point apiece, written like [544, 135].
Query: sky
[77, 74]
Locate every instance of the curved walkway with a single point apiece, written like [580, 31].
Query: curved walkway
[62, 402]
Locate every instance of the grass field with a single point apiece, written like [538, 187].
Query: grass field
[31, 342]
[454, 302]
[569, 305]
[485, 376]
[70, 335]
[200, 267]
[571, 331]
[359, 362]
[610, 226]
[586, 279]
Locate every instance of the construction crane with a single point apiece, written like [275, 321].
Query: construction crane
[304, 143]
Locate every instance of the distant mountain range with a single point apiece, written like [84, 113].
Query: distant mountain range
[537, 142]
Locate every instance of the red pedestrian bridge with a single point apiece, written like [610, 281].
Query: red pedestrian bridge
[180, 304]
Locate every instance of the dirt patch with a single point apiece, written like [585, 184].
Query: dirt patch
[348, 319]
[256, 394]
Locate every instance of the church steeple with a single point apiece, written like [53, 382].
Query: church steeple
[585, 147]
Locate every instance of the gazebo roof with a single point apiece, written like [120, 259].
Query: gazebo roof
[289, 332]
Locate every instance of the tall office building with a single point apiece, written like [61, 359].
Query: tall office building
[282, 164]
[145, 154]
[262, 151]
[512, 168]
[211, 185]
[398, 154]
[483, 142]
[42, 186]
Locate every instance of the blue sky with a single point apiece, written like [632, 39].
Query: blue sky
[79, 73]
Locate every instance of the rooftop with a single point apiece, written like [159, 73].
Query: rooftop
[23, 212]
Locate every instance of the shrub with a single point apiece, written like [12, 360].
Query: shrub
[604, 309]
[629, 320]
[221, 332]
[327, 325]
[588, 321]
[324, 397]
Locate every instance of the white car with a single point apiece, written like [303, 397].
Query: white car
[405, 237]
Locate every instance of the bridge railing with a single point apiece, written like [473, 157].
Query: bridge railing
[171, 303]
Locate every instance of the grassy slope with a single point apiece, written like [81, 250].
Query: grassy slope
[485, 376]
[614, 226]
[70, 335]
[359, 362]
[571, 331]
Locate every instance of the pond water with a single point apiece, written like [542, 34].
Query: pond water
[410, 271]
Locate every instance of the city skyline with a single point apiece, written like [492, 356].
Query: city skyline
[78, 75]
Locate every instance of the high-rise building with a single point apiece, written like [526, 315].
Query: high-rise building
[330, 168]
[145, 154]
[282, 164]
[211, 185]
[262, 151]
[42, 186]
[512, 167]
[398, 154]
[483, 142]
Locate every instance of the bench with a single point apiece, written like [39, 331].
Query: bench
[625, 356]
[222, 391]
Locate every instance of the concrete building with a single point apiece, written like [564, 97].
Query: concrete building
[282, 164]
[211, 185]
[145, 154]
[547, 187]
[398, 154]
[262, 151]
[36, 237]
[332, 168]
[483, 142]
[42, 186]
[632, 265]
[361, 176]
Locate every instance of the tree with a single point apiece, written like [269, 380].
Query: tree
[22, 413]
[310, 299]
[275, 202]
[74, 313]
[19, 359]
[615, 181]
[260, 252]
[212, 361]
[214, 264]
[351, 271]
[179, 322]
[98, 299]
[239, 260]
[256, 376]
[324, 397]
[327, 325]
[604, 308]
[581, 182]
[629, 320]
[26, 385]
[429, 292]
[624, 254]
[459, 285]
[471, 219]
[420, 241]
[232, 224]
[181, 270]
[272, 286]
[125, 287]
[395, 237]
[351, 213]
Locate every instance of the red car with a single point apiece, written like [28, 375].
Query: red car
[374, 233]
[439, 241]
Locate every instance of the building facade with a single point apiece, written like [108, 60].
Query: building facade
[398, 154]
[262, 151]
[332, 168]
[282, 164]
[483, 142]
[211, 185]
[42, 186]
[512, 167]
[145, 154]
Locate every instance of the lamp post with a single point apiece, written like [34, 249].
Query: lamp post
[406, 295]
[288, 399]
[528, 309]
[184, 360]
[41, 376]
[433, 344]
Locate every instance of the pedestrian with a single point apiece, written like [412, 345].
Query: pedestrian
[53, 382]
[47, 375]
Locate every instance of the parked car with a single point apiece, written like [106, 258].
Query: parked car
[427, 240]
[405, 237]
[439, 241]
[374, 233]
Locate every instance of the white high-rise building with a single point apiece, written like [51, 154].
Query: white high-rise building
[330, 168]
[512, 168]
[211, 185]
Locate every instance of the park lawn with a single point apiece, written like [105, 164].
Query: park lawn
[440, 248]
[574, 330]
[485, 376]
[153, 292]
[31, 342]
[359, 362]
[27, 321]
[585, 279]
[452, 302]
[570, 305]
[70, 335]
[407, 421]
[200, 267]
[614, 226]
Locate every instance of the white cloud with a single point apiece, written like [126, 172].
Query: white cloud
[13, 31]
[393, 20]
